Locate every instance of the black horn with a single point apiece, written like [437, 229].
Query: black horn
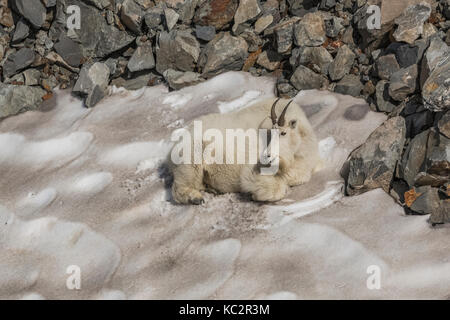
[273, 114]
[282, 119]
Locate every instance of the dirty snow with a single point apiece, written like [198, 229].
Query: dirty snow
[88, 188]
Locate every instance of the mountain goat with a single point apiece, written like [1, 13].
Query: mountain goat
[297, 159]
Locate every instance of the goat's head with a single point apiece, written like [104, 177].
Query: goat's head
[287, 128]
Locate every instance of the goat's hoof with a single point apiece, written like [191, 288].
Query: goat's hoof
[197, 201]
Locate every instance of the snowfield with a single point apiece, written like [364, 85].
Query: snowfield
[87, 188]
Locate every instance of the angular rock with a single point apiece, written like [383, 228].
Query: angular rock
[436, 90]
[93, 82]
[305, 79]
[247, 10]
[184, 8]
[153, 17]
[423, 200]
[16, 99]
[410, 23]
[6, 18]
[32, 10]
[262, 23]
[206, 33]
[269, 59]
[97, 37]
[414, 158]
[148, 79]
[310, 31]
[178, 50]
[372, 164]
[437, 53]
[171, 18]
[253, 41]
[334, 26]
[69, 50]
[349, 85]
[216, 13]
[142, 58]
[386, 66]
[444, 125]
[32, 77]
[342, 63]
[403, 83]
[224, 53]
[18, 61]
[327, 4]
[284, 35]
[437, 159]
[101, 4]
[177, 79]
[22, 31]
[132, 15]
[317, 58]
[408, 55]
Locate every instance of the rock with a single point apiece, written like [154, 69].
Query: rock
[32, 10]
[171, 18]
[334, 26]
[414, 158]
[428, 30]
[132, 15]
[32, 77]
[269, 59]
[142, 58]
[253, 41]
[408, 55]
[436, 90]
[327, 4]
[284, 35]
[423, 200]
[6, 18]
[310, 31]
[301, 7]
[437, 53]
[178, 50]
[148, 79]
[372, 165]
[342, 63]
[206, 33]
[97, 37]
[349, 85]
[51, 3]
[93, 82]
[262, 23]
[317, 58]
[101, 4]
[16, 99]
[410, 23]
[247, 10]
[223, 53]
[69, 50]
[386, 66]
[22, 31]
[18, 61]
[305, 79]
[153, 17]
[403, 83]
[177, 79]
[444, 125]
[184, 8]
[216, 13]
[437, 160]
[55, 58]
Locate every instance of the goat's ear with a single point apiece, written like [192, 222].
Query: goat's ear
[293, 124]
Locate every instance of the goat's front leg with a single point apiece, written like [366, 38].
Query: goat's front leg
[265, 188]
[188, 184]
[299, 172]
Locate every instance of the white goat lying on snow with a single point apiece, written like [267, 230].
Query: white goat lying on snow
[298, 155]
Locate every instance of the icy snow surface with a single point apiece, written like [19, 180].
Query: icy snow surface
[87, 188]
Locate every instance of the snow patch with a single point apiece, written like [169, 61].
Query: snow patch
[93, 183]
[245, 100]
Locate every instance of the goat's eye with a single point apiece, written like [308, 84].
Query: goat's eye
[283, 133]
